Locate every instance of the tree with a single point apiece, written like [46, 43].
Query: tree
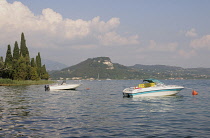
[1, 62]
[6, 70]
[8, 59]
[20, 71]
[19, 66]
[1, 66]
[38, 64]
[44, 74]
[33, 74]
[23, 49]
[16, 51]
[33, 64]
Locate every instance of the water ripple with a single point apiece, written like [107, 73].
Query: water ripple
[101, 111]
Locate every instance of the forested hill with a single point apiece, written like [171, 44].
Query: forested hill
[156, 67]
[103, 68]
[173, 72]
[100, 67]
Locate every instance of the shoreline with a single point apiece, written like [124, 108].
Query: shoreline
[8, 82]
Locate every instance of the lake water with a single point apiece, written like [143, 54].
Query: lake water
[101, 111]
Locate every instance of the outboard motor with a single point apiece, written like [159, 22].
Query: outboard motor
[47, 87]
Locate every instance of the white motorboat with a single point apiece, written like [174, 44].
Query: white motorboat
[62, 86]
[152, 87]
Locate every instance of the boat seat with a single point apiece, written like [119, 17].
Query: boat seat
[145, 85]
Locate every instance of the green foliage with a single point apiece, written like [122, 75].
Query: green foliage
[38, 64]
[19, 66]
[33, 64]
[23, 49]
[8, 60]
[1, 62]
[43, 72]
[8, 82]
[16, 52]
[20, 71]
[33, 74]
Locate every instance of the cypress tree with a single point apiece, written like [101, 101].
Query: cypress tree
[1, 62]
[33, 71]
[44, 74]
[23, 49]
[19, 66]
[1, 59]
[1, 66]
[8, 59]
[38, 60]
[33, 64]
[38, 64]
[16, 51]
[7, 73]
[16, 56]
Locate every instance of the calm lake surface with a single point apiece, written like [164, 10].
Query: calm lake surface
[101, 111]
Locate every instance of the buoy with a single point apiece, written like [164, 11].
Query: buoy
[87, 88]
[194, 92]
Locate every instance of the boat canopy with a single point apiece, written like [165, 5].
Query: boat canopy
[153, 81]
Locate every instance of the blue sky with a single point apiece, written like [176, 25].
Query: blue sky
[150, 32]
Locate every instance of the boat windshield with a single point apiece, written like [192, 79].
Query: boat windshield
[64, 82]
[153, 81]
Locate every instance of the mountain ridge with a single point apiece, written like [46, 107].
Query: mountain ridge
[53, 65]
[103, 66]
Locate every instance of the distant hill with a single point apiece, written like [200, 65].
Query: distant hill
[103, 68]
[53, 65]
[155, 67]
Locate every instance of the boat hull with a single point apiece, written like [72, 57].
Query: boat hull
[64, 87]
[152, 91]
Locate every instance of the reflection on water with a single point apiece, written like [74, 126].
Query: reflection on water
[14, 108]
[158, 104]
[30, 111]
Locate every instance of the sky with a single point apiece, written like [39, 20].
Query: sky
[148, 32]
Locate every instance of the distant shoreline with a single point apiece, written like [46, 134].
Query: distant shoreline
[9, 82]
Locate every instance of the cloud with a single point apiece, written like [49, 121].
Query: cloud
[51, 29]
[203, 42]
[112, 38]
[187, 54]
[78, 47]
[191, 33]
[167, 47]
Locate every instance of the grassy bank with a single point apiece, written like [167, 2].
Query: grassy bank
[9, 82]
